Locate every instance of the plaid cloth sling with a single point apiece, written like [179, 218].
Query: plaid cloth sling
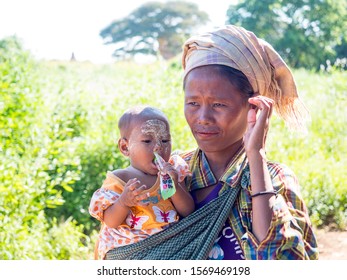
[191, 238]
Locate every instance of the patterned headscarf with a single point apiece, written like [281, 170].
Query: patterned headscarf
[266, 71]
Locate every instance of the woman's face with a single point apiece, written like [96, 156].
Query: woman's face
[215, 110]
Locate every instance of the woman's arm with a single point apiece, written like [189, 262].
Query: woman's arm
[261, 204]
[280, 223]
[254, 140]
[290, 235]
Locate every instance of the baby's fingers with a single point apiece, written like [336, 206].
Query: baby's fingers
[139, 190]
[167, 168]
[132, 184]
[140, 198]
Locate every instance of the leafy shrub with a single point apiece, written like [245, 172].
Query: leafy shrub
[317, 157]
[33, 164]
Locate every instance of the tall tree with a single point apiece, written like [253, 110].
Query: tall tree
[153, 28]
[305, 32]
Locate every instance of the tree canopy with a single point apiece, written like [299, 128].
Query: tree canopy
[153, 28]
[306, 33]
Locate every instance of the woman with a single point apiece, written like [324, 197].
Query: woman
[232, 80]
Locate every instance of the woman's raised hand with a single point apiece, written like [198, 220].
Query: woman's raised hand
[258, 123]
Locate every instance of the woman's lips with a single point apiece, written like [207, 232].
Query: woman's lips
[205, 134]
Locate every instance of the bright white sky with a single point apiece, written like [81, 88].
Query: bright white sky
[53, 29]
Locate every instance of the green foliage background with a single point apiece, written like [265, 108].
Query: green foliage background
[307, 33]
[58, 127]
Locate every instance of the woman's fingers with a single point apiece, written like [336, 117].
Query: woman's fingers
[252, 116]
[257, 122]
[263, 105]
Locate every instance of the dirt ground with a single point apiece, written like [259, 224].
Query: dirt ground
[332, 244]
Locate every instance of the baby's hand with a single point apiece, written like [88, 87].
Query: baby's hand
[167, 168]
[133, 194]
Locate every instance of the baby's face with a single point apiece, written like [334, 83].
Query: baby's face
[159, 135]
[146, 138]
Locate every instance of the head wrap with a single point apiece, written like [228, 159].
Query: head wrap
[266, 71]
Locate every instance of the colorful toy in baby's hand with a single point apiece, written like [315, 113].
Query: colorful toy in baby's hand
[167, 185]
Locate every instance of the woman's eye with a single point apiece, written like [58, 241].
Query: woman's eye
[192, 103]
[218, 105]
[146, 141]
[165, 141]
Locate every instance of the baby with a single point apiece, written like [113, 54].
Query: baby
[130, 203]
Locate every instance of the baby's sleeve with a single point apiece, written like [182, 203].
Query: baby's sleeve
[100, 201]
[181, 166]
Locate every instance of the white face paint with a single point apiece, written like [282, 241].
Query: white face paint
[159, 132]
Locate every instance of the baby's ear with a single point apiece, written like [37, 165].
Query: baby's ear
[123, 146]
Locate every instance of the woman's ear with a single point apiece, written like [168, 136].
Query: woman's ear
[123, 146]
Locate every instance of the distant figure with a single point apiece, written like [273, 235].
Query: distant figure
[73, 58]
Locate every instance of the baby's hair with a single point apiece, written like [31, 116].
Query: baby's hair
[138, 113]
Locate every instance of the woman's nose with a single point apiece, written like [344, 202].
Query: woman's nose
[204, 115]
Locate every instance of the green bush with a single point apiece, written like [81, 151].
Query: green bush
[36, 161]
[317, 157]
